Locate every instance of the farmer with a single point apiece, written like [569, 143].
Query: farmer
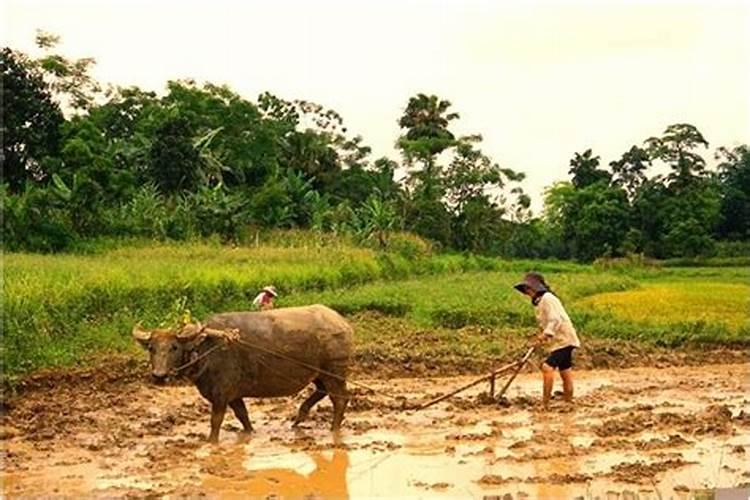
[557, 332]
[264, 300]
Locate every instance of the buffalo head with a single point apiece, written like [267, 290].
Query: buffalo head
[168, 349]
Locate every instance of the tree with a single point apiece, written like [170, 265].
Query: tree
[69, 79]
[472, 174]
[629, 170]
[474, 187]
[312, 154]
[475, 226]
[676, 147]
[244, 147]
[734, 179]
[175, 164]
[31, 121]
[429, 218]
[425, 123]
[426, 120]
[665, 217]
[649, 215]
[585, 171]
[593, 221]
[533, 239]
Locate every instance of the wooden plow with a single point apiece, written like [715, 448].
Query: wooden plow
[516, 368]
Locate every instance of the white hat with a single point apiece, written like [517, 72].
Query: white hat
[271, 289]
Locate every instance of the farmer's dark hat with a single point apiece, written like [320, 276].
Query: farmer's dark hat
[534, 281]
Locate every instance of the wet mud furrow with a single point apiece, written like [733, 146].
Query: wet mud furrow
[641, 432]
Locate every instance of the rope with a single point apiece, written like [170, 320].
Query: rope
[193, 361]
[317, 369]
[232, 336]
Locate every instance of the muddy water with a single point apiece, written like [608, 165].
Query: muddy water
[642, 433]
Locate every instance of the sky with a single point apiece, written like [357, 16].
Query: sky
[539, 80]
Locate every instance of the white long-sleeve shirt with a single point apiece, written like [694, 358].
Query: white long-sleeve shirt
[555, 323]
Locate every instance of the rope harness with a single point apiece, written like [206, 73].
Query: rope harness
[232, 336]
[196, 359]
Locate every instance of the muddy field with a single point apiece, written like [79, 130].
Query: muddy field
[647, 433]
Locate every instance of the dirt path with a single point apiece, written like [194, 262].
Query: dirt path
[648, 432]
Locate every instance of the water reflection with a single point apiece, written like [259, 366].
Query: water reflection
[556, 428]
[230, 473]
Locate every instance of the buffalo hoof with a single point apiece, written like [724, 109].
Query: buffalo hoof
[244, 437]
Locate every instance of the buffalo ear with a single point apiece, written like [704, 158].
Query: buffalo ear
[142, 336]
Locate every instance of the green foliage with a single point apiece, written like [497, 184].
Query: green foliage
[70, 80]
[35, 220]
[145, 214]
[409, 246]
[585, 172]
[629, 172]
[734, 173]
[202, 161]
[30, 125]
[676, 147]
[426, 119]
[593, 221]
[219, 211]
[175, 163]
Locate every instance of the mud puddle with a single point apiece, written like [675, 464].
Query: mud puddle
[639, 433]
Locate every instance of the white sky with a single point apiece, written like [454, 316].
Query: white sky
[539, 80]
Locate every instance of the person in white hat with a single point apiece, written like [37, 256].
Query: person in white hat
[264, 300]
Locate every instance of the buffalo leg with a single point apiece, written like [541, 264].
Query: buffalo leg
[240, 411]
[340, 398]
[217, 417]
[306, 406]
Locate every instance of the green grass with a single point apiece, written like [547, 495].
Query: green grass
[61, 310]
[459, 299]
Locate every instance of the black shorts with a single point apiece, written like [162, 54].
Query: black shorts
[562, 359]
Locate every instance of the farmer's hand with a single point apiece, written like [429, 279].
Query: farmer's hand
[540, 339]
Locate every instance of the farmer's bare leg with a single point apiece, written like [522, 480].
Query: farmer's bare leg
[217, 417]
[306, 406]
[548, 377]
[240, 411]
[567, 380]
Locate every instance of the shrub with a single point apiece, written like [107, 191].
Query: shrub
[34, 221]
[409, 245]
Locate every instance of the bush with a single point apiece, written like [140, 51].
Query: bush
[732, 249]
[409, 245]
[35, 221]
[628, 263]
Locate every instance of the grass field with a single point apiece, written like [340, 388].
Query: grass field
[669, 303]
[61, 310]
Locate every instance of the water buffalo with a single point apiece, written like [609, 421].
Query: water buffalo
[261, 363]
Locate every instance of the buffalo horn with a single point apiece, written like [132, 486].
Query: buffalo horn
[141, 334]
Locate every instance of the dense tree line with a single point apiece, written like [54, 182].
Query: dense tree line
[81, 161]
